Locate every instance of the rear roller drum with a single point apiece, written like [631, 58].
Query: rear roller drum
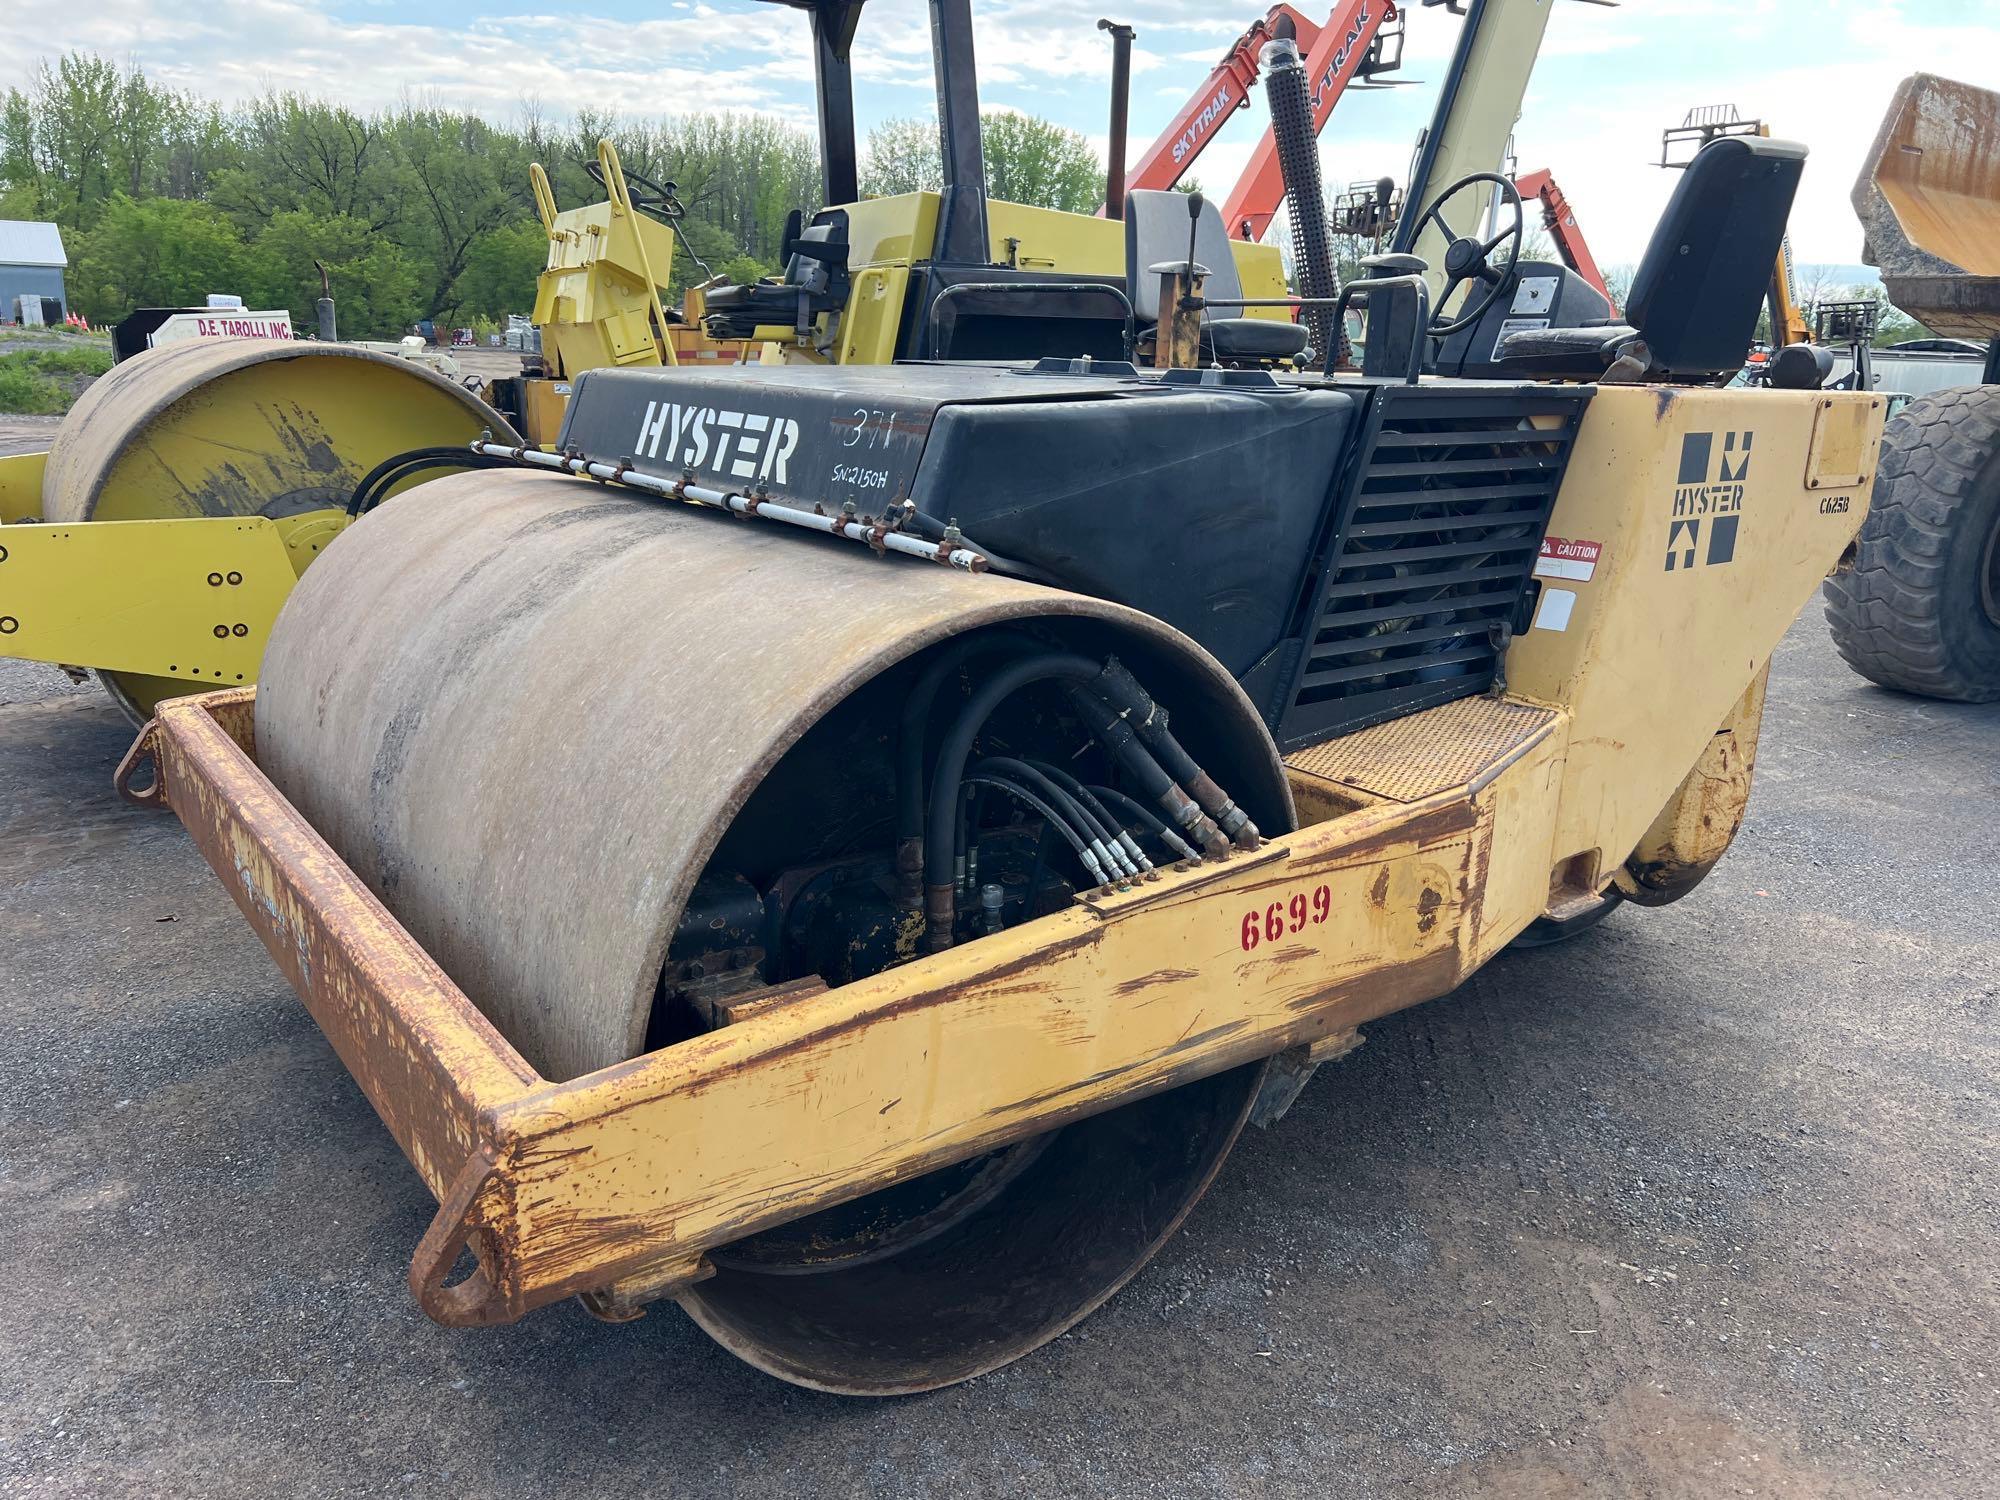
[242, 427]
[729, 801]
[966, 1269]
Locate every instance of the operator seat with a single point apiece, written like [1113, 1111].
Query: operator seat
[1692, 310]
[1156, 231]
[815, 281]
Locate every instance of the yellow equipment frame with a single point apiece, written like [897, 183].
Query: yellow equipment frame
[1619, 757]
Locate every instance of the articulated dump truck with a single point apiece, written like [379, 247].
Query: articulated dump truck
[848, 849]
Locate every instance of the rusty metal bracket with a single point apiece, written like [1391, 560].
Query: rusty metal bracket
[624, 1300]
[477, 1301]
[143, 752]
[1292, 1069]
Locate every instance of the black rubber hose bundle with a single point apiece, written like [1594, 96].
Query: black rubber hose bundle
[1176, 846]
[1085, 680]
[400, 466]
[941, 828]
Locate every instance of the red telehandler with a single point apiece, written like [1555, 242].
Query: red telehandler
[1360, 39]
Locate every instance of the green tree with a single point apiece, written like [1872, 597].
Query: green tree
[305, 154]
[163, 197]
[164, 252]
[501, 269]
[375, 282]
[86, 130]
[904, 156]
[1036, 161]
[465, 180]
[1028, 160]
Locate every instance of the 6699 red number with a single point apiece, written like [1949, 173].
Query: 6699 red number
[1287, 914]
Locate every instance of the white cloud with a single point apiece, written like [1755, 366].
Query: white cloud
[1607, 81]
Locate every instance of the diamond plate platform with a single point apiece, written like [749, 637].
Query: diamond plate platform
[1422, 754]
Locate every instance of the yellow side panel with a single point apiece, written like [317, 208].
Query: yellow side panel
[891, 231]
[874, 313]
[593, 303]
[1685, 540]
[543, 404]
[188, 599]
[1514, 861]
[900, 231]
[1262, 269]
[1045, 239]
[21, 487]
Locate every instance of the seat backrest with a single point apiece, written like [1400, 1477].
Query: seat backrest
[805, 270]
[1696, 294]
[1156, 229]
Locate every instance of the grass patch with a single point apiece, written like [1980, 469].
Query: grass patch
[28, 379]
[22, 391]
[83, 361]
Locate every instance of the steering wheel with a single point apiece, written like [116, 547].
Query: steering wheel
[1466, 260]
[646, 193]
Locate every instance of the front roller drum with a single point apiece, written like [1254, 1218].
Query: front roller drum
[240, 427]
[535, 716]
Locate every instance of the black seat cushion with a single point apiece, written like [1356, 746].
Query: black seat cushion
[761, 301]
[741, 308]
[1588, 350]
[1254, 338]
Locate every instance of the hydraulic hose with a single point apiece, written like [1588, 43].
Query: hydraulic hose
[1048, 814]
[1114, 829]
[1175, 845]
[1111, 727]
[399, 466]
[1125, 694]
[1082, 678]
[911, 729]
[940, 831]
[1103, 841]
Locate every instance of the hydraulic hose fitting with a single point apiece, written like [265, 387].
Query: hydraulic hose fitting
[1149, 719]
[1232, 819]
[1134, 854]
[941, 914]
[1187, 813]
[910, 872]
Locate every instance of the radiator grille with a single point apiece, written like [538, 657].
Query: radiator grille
[1433, 547]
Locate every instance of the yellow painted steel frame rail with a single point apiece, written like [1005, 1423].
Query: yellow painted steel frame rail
[839, 1093]
[1690, 527]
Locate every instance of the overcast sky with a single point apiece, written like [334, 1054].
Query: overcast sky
[1819, 70]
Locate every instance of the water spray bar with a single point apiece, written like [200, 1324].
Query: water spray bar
[877, 535]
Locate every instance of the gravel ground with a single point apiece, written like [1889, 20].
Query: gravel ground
[26, 434]
[1701, 1204]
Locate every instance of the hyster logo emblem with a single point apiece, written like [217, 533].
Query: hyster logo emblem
[1709, 488]
[743, 444]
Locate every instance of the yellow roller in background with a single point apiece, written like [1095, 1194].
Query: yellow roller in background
[209, 475]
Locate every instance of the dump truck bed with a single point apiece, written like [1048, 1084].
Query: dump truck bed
[1929, 201]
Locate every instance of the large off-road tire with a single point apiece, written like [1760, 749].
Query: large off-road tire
[1920, 608]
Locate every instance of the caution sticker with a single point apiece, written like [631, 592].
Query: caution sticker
[1564, 557]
